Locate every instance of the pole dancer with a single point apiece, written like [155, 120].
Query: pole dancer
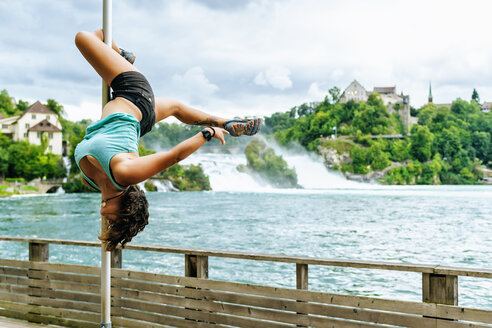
[108, 155]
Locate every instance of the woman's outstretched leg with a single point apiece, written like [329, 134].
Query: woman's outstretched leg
[107, 61]
[165, 107]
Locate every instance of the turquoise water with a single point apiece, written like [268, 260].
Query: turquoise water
[444, 225]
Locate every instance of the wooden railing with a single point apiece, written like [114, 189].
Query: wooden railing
[68, 295]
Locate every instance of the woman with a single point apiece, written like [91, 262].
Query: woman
[108, 155]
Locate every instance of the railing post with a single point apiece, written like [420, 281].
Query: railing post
[117, 258]
[196, 266]
[301, 276]
[440, 288]
[38, 253]
[301, 280]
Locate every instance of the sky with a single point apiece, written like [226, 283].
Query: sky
[251, 57]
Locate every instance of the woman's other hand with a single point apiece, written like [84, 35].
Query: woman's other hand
[219, 133]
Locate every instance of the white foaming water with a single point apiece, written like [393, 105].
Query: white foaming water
[66, 165]
[223, 174]
[164, 185]
[311, 173]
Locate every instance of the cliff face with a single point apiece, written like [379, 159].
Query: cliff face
[335, 161]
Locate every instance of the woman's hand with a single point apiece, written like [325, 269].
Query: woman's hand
[218, 133]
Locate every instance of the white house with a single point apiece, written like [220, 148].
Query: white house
[35, 122]
[486, 106]
[356, 92]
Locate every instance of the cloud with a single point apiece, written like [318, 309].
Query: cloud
[194, 85]
[277, 77]
[244, 52]
[315, 93]
[83, 110]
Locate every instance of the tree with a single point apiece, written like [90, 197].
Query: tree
[6, 106]
[22, 105]
[421, 142]
[55, 107]
[475, 96]
[378, 157]
[481, 143]
[335, 94]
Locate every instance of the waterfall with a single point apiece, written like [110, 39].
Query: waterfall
[311, 172]
[66, 165]
[164, 185]
[223, 174]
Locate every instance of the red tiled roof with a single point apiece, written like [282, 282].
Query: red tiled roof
[385, 90]
[37, 107]
[45, 125]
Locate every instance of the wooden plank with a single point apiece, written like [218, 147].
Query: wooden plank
[14, 263]
[66, 295]
[51, 266]
[13, 271]
[233, 315]
[94, 289]
[53, 241]
[217, 304]
[177, 322]
[70, 277]
[275, 292]
[17, 298]
[47, 319]
[66, 304]
[83, 288]
[132, 323]
[11, 280]
[465, 272]
[14, 289]
[308, 296]
[160, 317]
[465, 314]
[48, 311]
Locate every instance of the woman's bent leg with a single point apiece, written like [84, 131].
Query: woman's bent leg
[165, 107]
[107, 61]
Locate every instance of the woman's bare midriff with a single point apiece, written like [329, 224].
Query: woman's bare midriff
[121, 105]
[90, 165]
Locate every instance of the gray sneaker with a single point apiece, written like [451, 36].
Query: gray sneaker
[128, 56]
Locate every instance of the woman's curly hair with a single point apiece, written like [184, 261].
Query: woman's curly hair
[131, 219]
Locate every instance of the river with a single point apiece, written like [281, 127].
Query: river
[331, 218]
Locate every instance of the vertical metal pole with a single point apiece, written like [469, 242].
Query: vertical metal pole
[106, 256]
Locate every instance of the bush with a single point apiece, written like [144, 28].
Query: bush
[187, 177]
[271, 167]
[74, 184]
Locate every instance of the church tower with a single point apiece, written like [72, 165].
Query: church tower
[430, 94]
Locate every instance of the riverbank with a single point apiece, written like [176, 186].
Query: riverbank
[16, 188]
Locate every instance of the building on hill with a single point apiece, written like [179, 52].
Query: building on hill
[430, 100]
[34, 123]
[486, 106]
[395, 102]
